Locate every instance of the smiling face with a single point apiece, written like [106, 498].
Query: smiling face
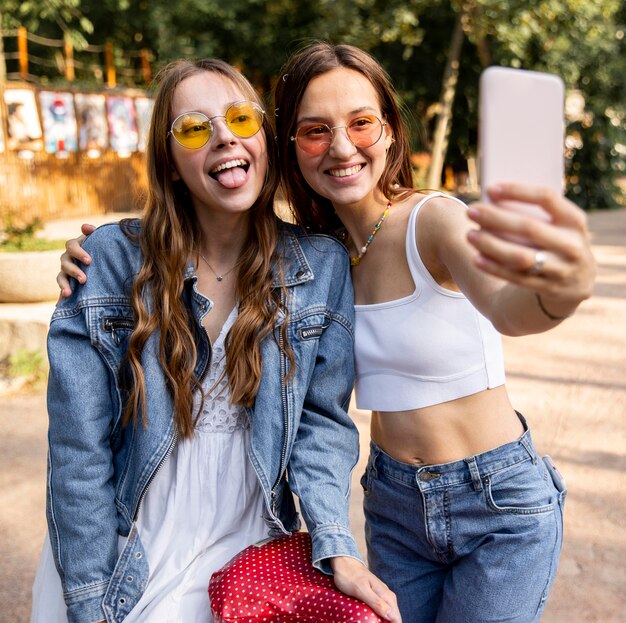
[344, 174]
[227, 174]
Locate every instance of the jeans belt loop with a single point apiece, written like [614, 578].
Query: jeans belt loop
[476, 480]
[525, 441]
[372, 460]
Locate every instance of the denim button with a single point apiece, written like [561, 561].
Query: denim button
[138, 555]
[129, 578]
[122, 601]
[300, 273]
[427, 476]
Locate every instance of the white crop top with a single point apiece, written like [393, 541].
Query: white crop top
[426, 348]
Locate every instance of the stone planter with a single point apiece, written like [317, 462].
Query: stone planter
[29, 276]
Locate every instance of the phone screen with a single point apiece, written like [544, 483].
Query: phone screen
[521, 130]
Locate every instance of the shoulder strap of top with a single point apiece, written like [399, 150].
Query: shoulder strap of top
[414, 260]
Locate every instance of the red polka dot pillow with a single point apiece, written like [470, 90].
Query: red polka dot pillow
[276, 582]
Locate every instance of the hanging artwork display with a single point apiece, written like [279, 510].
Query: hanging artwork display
[59, 122]
[62, 122]
[23, 127]
[122, 124]
[93, 134]
[144, 106]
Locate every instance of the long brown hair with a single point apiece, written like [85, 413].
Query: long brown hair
[310, 209]
[169, 236]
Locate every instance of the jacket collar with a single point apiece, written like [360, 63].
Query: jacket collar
[296, 268]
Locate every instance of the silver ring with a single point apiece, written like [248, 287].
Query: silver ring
[540, 260]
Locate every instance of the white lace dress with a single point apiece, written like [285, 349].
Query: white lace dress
[202, 508]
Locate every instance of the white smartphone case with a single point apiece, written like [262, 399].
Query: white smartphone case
[521, 130]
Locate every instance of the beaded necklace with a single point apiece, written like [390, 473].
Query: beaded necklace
[356, 260]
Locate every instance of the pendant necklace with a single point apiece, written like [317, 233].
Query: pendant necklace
[218, 277]
[356, 260]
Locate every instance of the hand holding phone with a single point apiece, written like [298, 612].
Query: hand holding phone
[521, 131]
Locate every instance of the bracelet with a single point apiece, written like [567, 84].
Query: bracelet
[546, 312]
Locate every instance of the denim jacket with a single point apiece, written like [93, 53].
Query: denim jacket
[302, 439]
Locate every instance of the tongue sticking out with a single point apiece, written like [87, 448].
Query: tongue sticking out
[231, 178]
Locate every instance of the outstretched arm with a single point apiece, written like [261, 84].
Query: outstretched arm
[528, 274]
[551, 273]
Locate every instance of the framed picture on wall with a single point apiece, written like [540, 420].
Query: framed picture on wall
[23, 126]
[93, 133]
[144, 106]
[59, 122]
[122, 122]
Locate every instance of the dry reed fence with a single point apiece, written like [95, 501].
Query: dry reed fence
[47, 187]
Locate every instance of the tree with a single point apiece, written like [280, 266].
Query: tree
[580, 40]
[53, 19]
[583, 43]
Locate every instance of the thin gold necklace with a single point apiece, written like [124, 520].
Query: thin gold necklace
[356, 259]
[218, 277]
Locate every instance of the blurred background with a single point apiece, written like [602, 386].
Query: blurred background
[76, 76]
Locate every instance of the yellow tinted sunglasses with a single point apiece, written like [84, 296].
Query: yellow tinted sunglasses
[194, 130]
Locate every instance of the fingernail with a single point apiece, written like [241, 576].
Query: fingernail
[390, 614]
[473, 213]
[473, 235]
[496, 188]
[81, 280]
[85, 260]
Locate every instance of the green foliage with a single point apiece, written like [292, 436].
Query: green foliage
[16, 236]
[582, 41]
[31, 365]
[32, 244]
[595, 165]
[47, 17]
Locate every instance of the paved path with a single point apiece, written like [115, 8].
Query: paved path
[571, 385]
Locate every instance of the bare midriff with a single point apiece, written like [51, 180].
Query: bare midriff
[449, 431]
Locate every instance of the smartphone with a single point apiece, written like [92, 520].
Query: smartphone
[521, 131]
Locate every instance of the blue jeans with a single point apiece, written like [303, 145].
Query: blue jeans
[471, 541]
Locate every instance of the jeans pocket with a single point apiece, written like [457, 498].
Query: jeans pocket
[364, 483]
[523, 489]
[366, 479]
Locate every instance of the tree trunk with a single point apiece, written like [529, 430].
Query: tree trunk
[442, 129]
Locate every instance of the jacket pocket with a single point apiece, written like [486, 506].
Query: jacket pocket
[312, 327]
[118, 327]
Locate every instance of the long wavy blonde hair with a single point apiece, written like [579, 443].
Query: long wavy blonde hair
[169, 236]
